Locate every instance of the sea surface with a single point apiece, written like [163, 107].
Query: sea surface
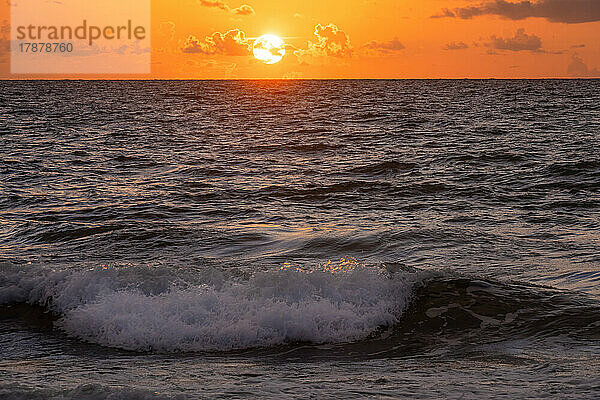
[300, 239]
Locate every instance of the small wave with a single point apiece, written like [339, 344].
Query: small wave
[312, 147]
[367, 117]
[305, 131]
[499, 157]
[90, 391]
[316, 192]
[574, 167]
[358, 187]
[67, 232]
[203, 172]
[384, 167]
[300, 148]
[134, 161]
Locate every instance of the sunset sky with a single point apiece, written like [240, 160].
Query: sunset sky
[212, 39]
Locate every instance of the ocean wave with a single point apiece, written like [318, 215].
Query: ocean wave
[145, 309]
[478, 310]
[363, 311]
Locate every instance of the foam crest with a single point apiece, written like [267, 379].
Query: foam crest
[329, 304]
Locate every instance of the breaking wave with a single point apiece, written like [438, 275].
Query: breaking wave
[384, 310]
[145, 309]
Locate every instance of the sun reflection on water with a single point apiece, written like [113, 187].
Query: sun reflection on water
[343, 265]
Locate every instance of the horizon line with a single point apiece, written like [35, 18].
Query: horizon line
[294, 79]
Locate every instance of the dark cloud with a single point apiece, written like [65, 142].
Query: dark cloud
[565, 11]
[456, 46]
[232, 43]
[579, 69]
[445, 13]
[385, 47]
[520, 42]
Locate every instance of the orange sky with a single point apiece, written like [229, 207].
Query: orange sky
[373, 39]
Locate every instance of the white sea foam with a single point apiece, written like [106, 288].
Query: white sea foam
[138, 308]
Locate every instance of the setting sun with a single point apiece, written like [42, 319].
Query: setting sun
[269, 48]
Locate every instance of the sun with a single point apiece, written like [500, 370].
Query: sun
[270, 49]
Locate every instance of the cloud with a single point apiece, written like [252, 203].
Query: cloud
[578, 68]
[244, 10]
[131, 49]
[215, 3]
[232, 43]
[578, 46]
[445, 13]
[293, 75]
[331, 41]
[193, 45]
[167, 29]
[456, 46]
[564, 11]
[387, 47]
[520, 42]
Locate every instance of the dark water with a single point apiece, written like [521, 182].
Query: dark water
[330, 239]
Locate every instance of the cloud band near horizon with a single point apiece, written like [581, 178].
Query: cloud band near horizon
[561, 11]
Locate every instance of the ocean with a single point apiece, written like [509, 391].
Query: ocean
[300, 239]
